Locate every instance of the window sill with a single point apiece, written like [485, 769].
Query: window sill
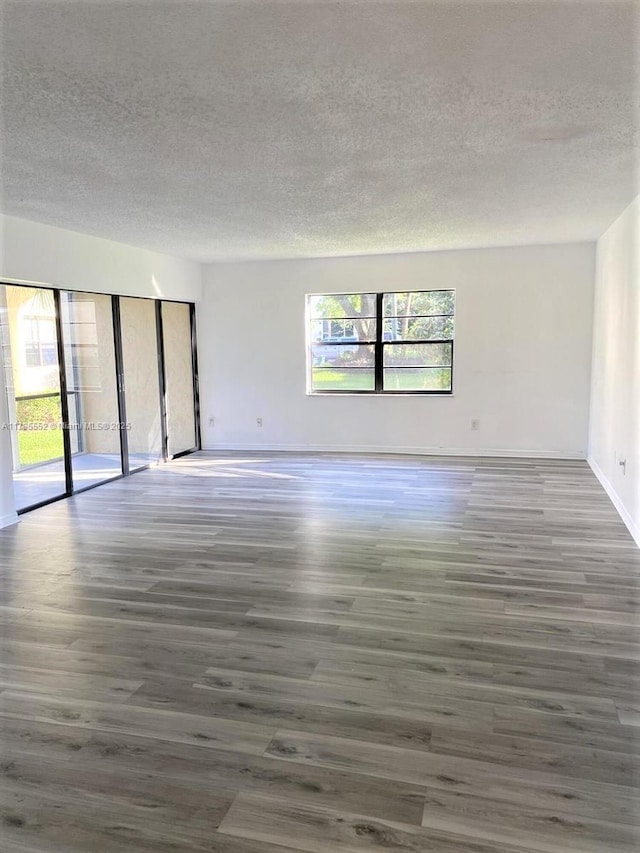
[380, 394]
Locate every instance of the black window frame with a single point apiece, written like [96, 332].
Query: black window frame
[379, 346]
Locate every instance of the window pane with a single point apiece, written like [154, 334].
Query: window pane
[339, 305]
[330, 378]
[417, 379]
[178, 365]
[30, 357]
[350, 331]
[324, 330]
[417, 355]
[426, 302]
[142, 390]
[87, 331]
[418, 328]
[343, 355]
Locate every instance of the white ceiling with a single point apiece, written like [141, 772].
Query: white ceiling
[235, 130]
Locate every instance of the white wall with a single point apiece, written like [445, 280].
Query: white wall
[41, 254]
[522, 355]
[615, 395]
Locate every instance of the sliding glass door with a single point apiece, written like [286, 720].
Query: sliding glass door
[90, 365]
[30, 354]
[98, 386]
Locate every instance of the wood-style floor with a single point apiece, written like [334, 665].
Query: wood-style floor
[266, 654]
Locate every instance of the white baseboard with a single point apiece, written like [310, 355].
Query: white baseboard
[633, 528]
[410, 451]
[8, 520]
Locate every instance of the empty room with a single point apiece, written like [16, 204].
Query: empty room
[320, 426]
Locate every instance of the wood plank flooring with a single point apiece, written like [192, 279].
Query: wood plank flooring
[275, 653]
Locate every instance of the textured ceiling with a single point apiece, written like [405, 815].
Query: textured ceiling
[233, 130]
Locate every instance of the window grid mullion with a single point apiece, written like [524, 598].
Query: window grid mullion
[379, 348]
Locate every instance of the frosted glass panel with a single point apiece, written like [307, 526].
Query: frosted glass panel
[178, 366]
[142, 388]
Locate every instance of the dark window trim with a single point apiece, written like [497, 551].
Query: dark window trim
[379, 344]
[162, 382]
[415, 316]
[64, 398]
[120, 390]
[344, 343]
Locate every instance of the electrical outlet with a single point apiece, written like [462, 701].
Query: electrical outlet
[259, 421]
[475, 424]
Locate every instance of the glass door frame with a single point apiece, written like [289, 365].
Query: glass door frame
[163, 379]
[122, 384]
[64, 406]
[120, 387]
